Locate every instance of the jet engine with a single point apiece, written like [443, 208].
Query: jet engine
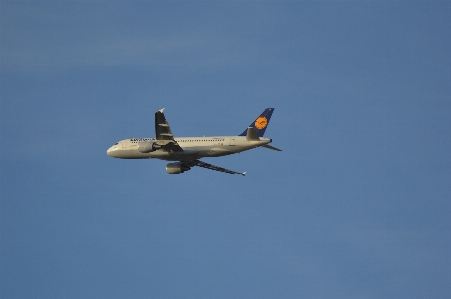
[147, 146]
[176, 168]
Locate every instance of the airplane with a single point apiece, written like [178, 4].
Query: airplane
[188, 151]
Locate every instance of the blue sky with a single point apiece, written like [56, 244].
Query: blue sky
[356, 206]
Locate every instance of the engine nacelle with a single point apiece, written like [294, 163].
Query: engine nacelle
[147, 146]
[176, 168]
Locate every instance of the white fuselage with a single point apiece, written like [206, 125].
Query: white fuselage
[193, 148]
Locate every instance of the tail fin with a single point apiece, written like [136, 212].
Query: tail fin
[260, 123]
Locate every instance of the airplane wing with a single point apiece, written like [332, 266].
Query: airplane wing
[163, 133]
[217, 168]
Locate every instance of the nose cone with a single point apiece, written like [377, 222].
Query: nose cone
[110, 151]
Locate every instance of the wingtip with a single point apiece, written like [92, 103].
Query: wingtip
[244, 173]
[161, 110]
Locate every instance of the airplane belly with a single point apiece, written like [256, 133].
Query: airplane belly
[186, 154]
[215, 152]
[126, 154]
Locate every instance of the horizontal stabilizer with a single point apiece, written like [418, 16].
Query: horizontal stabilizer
[252, 135]
[271, 147]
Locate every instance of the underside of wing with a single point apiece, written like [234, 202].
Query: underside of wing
[217, 168]
[163, 133]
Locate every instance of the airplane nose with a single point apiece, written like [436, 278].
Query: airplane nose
[109, 152]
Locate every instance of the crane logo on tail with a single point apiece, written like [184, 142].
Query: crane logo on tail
[261, 122]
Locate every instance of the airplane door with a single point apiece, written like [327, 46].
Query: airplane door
[124, 144]
[232, 141]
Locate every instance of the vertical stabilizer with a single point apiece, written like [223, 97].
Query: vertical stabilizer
[261, 123]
